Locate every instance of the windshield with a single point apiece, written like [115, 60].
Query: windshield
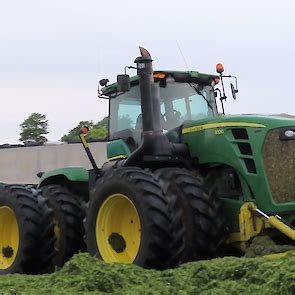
[179, 102]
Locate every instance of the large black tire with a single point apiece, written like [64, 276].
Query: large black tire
[203, 218]
[47, 237]
[26, 230]
[128, 205]
[68, 218]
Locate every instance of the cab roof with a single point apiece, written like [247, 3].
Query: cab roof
[179, 76]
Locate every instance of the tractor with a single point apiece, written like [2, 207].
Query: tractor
[182, 182]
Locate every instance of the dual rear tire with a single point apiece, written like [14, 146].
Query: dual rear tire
[26, 231]
[68, 216]
[128, 220]
[202, 215]
[39, 229]
[153, 219]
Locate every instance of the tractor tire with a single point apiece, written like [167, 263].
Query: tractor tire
[47, 236]
[203, 218]
[26, 231]
[128, 221]
[68, 218]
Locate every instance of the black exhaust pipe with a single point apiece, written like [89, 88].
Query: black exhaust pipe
[155, 146]
[150, 101]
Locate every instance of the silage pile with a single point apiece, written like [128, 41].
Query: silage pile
[229, 275]
[264, 245]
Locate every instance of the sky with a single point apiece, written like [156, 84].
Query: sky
[53, 53]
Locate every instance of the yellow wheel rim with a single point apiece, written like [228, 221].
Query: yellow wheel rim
[118, 230]
[9, 237]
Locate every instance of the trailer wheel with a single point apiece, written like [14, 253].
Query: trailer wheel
[26, 231]
[128, 220]
[68, 218]
[203, 219]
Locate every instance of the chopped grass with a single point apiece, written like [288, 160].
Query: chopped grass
[84, 274]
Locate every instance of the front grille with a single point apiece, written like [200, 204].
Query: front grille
[245, 148]
[250, 164]
[242, 140]
[240, 133]
[279, 162]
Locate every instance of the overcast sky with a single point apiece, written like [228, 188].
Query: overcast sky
[52, 53]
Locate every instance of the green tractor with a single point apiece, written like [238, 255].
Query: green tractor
[182, 182]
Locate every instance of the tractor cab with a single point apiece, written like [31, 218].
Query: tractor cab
[184, 96]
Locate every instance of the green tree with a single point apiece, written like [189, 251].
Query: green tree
[97, 131]
[73, 134]
[104, 123]
[34, 128]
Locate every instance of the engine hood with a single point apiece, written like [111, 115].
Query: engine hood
[251, 120]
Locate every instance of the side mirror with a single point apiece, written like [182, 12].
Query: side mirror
[233, 91]
[123, 83]
[103, 82]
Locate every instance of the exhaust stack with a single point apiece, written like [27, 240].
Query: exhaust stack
[155, 146]
[150, 100]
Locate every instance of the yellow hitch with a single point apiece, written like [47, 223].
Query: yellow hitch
[251, 226]
[278, 224]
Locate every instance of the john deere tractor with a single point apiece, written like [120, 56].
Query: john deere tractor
[182, 182]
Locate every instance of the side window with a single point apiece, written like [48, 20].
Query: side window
[127, 115]
[180, 106]
[198, 106]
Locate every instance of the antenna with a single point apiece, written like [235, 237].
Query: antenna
[183, 58]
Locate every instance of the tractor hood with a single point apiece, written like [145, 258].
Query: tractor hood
[260, 121]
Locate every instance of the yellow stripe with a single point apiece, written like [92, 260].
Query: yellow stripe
[117, 157]
[84, 142]
[216, 125]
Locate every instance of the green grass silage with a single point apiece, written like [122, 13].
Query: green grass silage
[84, 274]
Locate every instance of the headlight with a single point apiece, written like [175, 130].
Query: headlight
[287, 133]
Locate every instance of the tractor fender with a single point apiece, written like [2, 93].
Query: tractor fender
[69, 174]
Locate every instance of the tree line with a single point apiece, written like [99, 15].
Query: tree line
[35, 127]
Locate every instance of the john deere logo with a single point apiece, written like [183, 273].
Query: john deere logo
[218, 131]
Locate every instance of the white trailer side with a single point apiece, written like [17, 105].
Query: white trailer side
[21, 164]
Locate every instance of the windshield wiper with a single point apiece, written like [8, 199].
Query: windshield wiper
[200, 93]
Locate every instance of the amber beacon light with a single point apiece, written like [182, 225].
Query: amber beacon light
[219, 68]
